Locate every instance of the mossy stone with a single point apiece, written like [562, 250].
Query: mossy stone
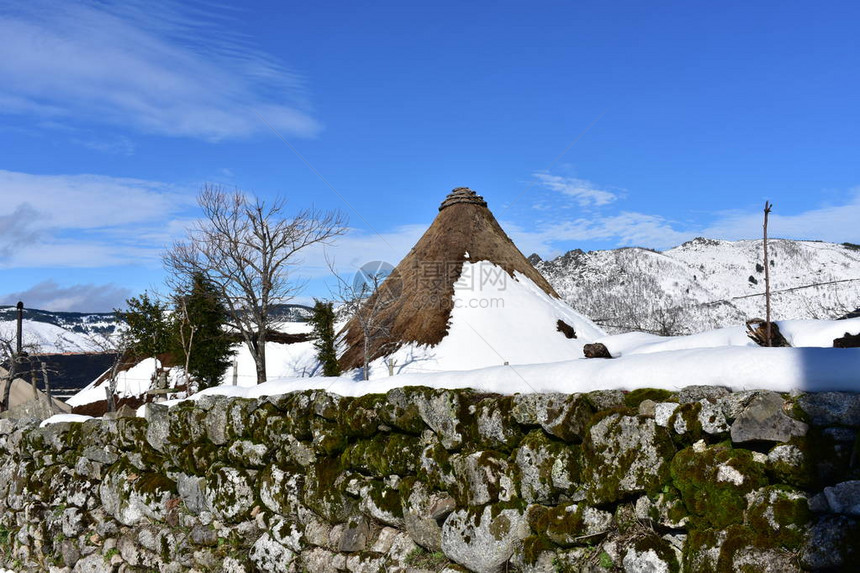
[435, 467]
[684, 424]
[633, 398]
[574, 524]
[545, 467]
[383, 455]
[400, 411]
[324, 491]
[624, 455]
[360, 417]
[329, 438]
[196, 459]
[714, 481]
[186, 424]
[779, 512]
[653, 543]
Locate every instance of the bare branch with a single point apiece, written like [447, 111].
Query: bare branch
[247, 248]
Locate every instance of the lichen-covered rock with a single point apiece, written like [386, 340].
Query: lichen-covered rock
[482, 477]
[158, 425]
[605, 399]
[400, 411]
[442, 412]
[713, 419]
[329, 437]
[666, 509]
[780, 513]
[246, 453]
[324, 491]
[545, 467]
[435, 463]
[495, 425]
[565, 416]
[571, 524]
[381, 502]
[663, 413]
[650, 554]
[360, 417]
[280, 491]
[191, 490]
[625, 455]
[483, 539]
[384, 454]
[186, 423]
[319, 560]
[355, 535]
[230, 493]
[269, 555]
[131, 498]
[685, 421]
[790, 465]
[702, 393]
[423, 512]
[764, 419]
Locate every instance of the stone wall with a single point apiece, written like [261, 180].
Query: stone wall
[431, 480]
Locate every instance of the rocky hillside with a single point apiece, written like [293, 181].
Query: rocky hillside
[706, 283]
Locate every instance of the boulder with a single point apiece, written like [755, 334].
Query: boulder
[844, 498]
[625, 455]
[764, 419]
[482, 540]
[832, 408]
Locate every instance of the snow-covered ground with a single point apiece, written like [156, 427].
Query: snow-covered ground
[502, 338]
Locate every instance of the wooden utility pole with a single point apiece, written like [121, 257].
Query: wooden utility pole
[47, 382]
[767, 208]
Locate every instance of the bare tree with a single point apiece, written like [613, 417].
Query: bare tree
[8, 352]
[364, 301]
[186, 329]
[247, 248]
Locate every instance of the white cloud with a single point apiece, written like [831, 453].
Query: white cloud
[86, 220]
[834, 223]
[585, 192]
[358, 247]
[157, 67]
[80, 297]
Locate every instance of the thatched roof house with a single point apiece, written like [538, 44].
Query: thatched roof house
[419, 292]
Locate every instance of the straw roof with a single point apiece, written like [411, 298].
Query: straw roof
[418, 294]
[23, 393]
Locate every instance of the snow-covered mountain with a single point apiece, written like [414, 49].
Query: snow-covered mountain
[52, 332]
[706, 283]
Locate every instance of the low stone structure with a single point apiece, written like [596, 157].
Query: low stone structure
[439, 480]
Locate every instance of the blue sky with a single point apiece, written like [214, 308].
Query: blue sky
[584, 124]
